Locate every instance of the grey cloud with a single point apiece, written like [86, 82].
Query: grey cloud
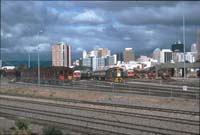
[161, 15]
[121, 24]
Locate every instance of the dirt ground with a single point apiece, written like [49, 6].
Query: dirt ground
[54, 93]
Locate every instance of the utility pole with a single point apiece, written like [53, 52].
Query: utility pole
[29, 58]
[38, 67]
[39, 60]
[184, 72]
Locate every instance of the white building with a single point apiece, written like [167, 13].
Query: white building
[156, 54]
[179, 57]
[84, 55]
[165, 55]
[194, 48]
[8, 67]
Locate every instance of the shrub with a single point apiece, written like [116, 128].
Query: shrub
[22, 124]
[52, 131]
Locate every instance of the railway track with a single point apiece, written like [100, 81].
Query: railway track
[128, 89]
[123, 126]
[105, 104]
[99, 122]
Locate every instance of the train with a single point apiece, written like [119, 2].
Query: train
[130, 73]
[114, 74]
[56, 75]
[48, 75]
[82, 74]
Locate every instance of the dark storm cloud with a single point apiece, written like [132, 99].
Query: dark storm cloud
[85, 25]
[161, 15]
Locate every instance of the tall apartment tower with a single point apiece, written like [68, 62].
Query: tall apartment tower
[61, 55]
[103, 52]
[128, 55]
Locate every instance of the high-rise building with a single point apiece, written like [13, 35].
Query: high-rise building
[103, 52]
[120, 57]
[156, 55]
[128, 55]
[87, 62]
[194, 47]
[61, 55]
[165, 55]
[177, 47]
[110, 60]
[85, 55]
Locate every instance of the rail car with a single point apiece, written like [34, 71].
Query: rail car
[82, 74]
[48, 75]
[77, 75]
[112, 74]
[130, 74]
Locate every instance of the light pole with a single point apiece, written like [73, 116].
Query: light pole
[184, 69]
[38, 66]
[29, 58]
[39, 60]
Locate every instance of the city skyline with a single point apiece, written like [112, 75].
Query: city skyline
[88, 25]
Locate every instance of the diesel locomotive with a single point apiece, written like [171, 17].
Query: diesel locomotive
[114, 74]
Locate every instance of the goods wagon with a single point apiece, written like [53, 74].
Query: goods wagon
[49, 75]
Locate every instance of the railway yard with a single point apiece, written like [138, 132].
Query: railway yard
[101, 107]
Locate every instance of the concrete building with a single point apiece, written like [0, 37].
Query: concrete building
[93, 53]
[156, 54]
[110, 60]
[128, 55]
[61, 55]
[84, 55]
[165, 55]
[177, 47]
[194, 47]
[120, 58]
[87, 62]
[103, 52]
[179, 57]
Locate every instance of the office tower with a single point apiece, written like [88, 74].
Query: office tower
[156, 54]
[61, 55]
[165, 55]
[128, 55]
[177, 47]
[85, 55]
[103, 52]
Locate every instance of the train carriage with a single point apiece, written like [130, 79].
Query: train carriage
[49, 75]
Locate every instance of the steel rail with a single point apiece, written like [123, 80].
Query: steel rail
[111, 123]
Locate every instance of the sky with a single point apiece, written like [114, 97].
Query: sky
[85, 25]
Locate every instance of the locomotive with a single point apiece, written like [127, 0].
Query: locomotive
[112, 74]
